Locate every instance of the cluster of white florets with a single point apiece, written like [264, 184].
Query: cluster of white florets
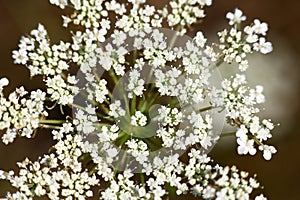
[56, 175]
[138, 104]
[236, 44]
[20, 116]
[61, 90]
[240, 103]
[140, 19]
[138, 119]
[228, 182]
[186, 13]
[136, 84]
[36, 52]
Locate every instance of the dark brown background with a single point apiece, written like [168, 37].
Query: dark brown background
[280, 176]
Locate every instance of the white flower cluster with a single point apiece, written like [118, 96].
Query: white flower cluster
[138, 149]
[227, 182]
[124, 188]
[236, 44]
[116, 109]
[169, 116]
[85, 121]
[39, 56]
[98, 90]
[137, 103]
[240, 104]
[58, 175]
[167, 81]
[104, 153]
[191, 62]
[60, 90]
[138, 119]
[186, 12]
[140, 19]
[155, 48]
[201, 127]
[136, 84]
[88, 12]
[196, 129]
[113, 57]
[20, 115]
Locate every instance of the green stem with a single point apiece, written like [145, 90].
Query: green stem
[149, 97]
[205, 109]
[123, 157]
[53, 106]
[50, 126]
[121, 134]
[142, 179]
[174, 38]
[150, 76]
[109, 95]
[51, 121]
[78, 106]
[61, 109]
[147, 104]
[105, 117]
[257, 141]
[123, 138]
[113, 76]
[133, 105]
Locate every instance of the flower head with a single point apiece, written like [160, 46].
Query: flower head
[144, 94]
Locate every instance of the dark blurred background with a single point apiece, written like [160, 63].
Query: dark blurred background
[278, 72]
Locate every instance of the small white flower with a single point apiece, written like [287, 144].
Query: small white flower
[89, 193]
[260, 28]
[200, 39]
[246, 146]
[252, 38]
[268, 124]
[20, 57]
[40, 33]
[3, 82]
[243, 65]
[263, 134]
[136, 84]
[242, 132]
[236, 17]
[60, 3]
[136, 2]
[119, 37]
[76, 3]
[267, 151]
[9, 136]
[263, 46]
[206, 141]
[260, 197]
[205, 2]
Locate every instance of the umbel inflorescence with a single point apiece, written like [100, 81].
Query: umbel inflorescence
[145, 106]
